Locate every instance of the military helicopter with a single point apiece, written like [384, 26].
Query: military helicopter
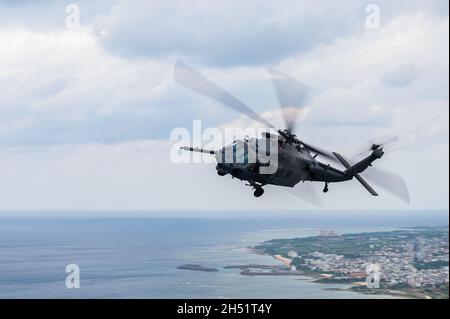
[297, 160]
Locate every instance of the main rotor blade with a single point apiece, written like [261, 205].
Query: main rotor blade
[292, 96]
[389, 181]
[306, 192]
[189, 78]
[320, 151]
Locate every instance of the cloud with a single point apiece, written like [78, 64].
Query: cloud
[72, 92]
[48, 15]
[349, 80]
[224, 33]
[402, 76]
[76, 101]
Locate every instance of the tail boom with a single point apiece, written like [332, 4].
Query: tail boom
[360, 167]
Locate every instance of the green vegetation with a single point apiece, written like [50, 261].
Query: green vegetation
[348, 245]
[430, 265]
[307, 246]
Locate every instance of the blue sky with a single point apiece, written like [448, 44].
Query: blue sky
[85, 114]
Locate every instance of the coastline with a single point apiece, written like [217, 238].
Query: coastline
[319, 278]
[357, 285]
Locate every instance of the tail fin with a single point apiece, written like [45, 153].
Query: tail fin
[365, 184]
[356, 175]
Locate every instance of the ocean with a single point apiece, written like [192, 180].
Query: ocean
[138, 256]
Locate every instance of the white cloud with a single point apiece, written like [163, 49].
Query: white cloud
[401, 76]
[74, 92]
[222, 32]
[111, 82]
[228, 33]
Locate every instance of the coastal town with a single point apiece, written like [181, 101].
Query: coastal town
[408, 261]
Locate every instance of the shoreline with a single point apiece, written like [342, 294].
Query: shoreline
[318, 278]
[357, 284]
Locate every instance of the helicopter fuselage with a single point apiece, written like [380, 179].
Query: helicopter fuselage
[294, 165]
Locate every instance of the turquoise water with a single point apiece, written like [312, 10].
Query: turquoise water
[137, 257]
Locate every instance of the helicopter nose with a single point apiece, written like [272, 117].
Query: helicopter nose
[221, 169]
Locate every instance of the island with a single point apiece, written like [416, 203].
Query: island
[409, 262]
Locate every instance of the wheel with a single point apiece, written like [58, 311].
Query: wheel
[258, 192]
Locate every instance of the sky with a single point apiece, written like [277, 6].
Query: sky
[87, 109]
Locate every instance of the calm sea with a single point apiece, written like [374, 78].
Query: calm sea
[136, 257]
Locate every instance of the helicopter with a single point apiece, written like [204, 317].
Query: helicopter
[297, 161]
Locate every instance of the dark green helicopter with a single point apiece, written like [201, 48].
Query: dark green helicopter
[296, 160]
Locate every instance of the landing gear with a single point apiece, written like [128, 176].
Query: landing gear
[325, 189]
[257, 187]
[258, 192]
